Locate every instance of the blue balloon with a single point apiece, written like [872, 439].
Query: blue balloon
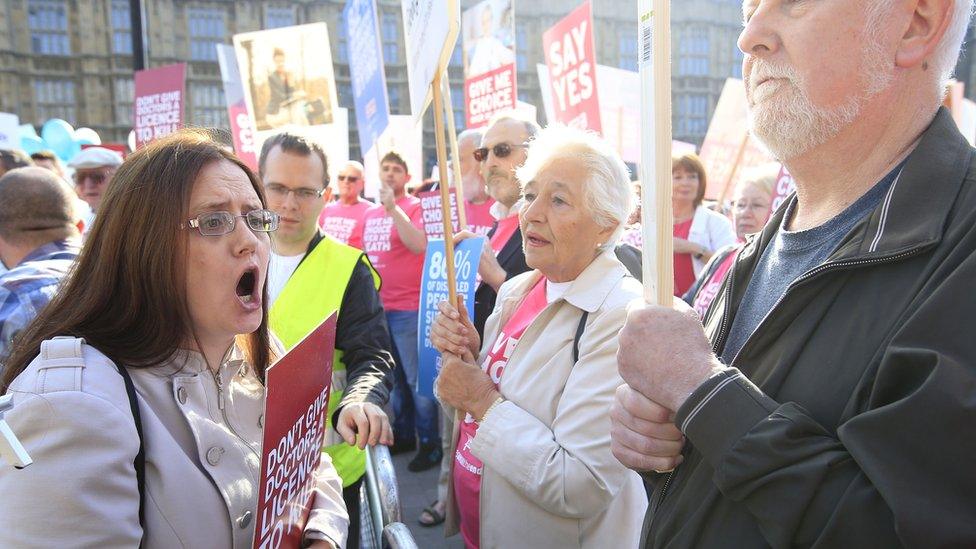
[31, 144]
[60, 138]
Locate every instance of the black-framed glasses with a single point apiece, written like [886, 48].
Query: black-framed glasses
[221, 223]
[501, 150]
[349, 178]
[304, 194]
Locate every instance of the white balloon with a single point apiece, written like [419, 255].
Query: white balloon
[88, 135]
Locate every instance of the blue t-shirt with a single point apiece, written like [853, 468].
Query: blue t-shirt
[790, 255]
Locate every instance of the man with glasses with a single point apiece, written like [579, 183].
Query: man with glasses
[503, 150]
[93, 170]
[342, 218]
[477, 201]
[311, 274]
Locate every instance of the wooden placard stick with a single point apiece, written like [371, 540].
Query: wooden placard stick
[455, 158]
[654, 25]
[445, 190]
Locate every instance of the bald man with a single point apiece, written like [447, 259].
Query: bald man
[39, 241]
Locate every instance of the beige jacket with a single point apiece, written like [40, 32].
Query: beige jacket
[202, 455]
[549, 478]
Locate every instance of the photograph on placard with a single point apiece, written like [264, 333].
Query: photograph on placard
[288, 76]
[488, 30]
[489, 36]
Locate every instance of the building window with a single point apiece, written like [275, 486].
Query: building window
[457, 104]
[54, 99]
[628, 51]
[277, 17]
[391, 38]
[344, 91]
[457, 59]
[694, 50]
[207, 29]
[121, 28]
[394, 95]
[209, 109]
[124, 97]
[736, 62]
[521, 43]
[692, 115]
[342, 40]
[48, 22]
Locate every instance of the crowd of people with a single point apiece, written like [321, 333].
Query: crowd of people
[811, 384]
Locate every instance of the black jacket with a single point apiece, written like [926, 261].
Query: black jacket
[364, 338]
[512, 259]
[852, 424]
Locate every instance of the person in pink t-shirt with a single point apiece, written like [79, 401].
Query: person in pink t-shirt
[342, 218]
[393, 237]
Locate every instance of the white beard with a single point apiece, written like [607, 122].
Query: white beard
[787, 122]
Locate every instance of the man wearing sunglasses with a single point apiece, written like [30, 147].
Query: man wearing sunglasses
[503, 150]
[342, 218]
[312, 274]
[93, 170]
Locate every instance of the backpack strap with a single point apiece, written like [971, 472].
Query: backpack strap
[579, 334]
[140, 461]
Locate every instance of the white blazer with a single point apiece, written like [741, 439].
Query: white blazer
[711, 230]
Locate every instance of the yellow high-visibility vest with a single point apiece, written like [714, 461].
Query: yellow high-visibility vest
[315, 289]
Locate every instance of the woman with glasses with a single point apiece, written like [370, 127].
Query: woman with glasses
[750, 211]
[139, 391]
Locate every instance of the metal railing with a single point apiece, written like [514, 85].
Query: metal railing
[380, 498]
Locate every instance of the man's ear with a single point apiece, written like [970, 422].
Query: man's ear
[327, 196]
[929, 24]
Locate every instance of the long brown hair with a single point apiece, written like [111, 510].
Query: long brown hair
[126, 295]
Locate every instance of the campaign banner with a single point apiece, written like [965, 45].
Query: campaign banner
[489, 60]
[728, 150]
[433, 290]
[430, 204]
[159, 98]
[785, 185]
[366, 71]
[287, 75]
[237, 113]
[295, 420]
[571, 59]
[9, 131]
[430, 29]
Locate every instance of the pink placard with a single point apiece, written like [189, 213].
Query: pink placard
[159, 99]
[430, 203]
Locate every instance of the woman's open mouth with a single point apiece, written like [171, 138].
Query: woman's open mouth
[246, 286]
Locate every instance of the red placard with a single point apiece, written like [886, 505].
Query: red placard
[295, 420]
[785, 185]
[159, 102]
[571, 59]
[489, 93]
[430, 203]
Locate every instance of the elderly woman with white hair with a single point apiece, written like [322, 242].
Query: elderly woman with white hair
[532, 465]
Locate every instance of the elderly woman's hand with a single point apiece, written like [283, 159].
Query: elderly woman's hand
[465, 386]
[453, 332]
